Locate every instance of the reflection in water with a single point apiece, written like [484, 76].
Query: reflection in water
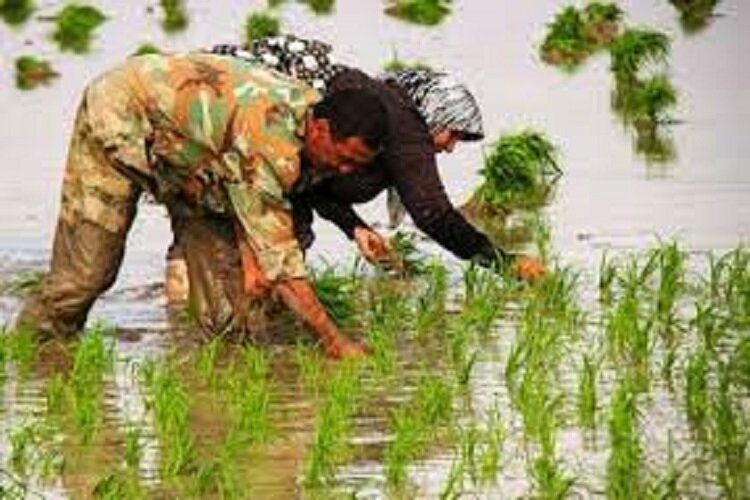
[695, 15]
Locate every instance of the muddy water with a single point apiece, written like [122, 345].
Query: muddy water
[609, 197]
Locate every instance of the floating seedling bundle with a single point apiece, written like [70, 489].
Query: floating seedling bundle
[424, 12]
[574, 35]
[519, 172]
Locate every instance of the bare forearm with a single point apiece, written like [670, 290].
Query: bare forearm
[300, 297]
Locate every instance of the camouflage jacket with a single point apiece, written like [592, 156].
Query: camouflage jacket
[230, 129]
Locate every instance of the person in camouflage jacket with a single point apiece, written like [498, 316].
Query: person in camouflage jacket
[218, 141]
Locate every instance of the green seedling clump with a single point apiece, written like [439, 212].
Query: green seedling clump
[396, 64]
[602, 23]
[587, 380]
[31, 72]
[695, 14]
[625, 457]
[697, 393]
[338, 294]
[424, 12]
[175, 15]
[147, 48]
[634, 49]
[260, 25]
[75, 25]
[519, 172]
[730, 438]
[566, 44]
[406, 258]
[16, 11]
[321, 6]
[29, 282]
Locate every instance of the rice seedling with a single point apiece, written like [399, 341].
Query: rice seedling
[170, 402]
[21, 348]
[321, 6]
[666, 487]
[26, 283]
[121, 484]
[75, 25]
[406, 258]
[332, 425]
[695, 14]
[729, 438]
[647, 104]
[607, 275]
[430, 310]
[260, 25]
[416, 426]
[31, 72]
[587, 395]
[250, 397]
[739, 364]
[56, 395]
[145, 49]
[310, 365]
[697, 402]
[23, 444]
[175, 15]
[338, 293]
[566, 43]
[133, 447]
[424, 12]
[671, 285]
[519, 172]
[16, 12]
[602, 22]
[494, 439]
[206, 361]
[452, 487]
[633, 50]
[550, 481]
[625, 457]
[654, 144]
[398, 64]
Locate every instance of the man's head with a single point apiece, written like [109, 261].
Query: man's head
[345, 130]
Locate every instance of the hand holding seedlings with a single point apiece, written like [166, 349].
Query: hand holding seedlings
[373, 246]
[528, 268]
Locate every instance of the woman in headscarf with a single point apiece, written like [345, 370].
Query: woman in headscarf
[428, 113]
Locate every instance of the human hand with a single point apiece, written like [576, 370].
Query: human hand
[373, 246]
[528, 268]
[342, 348]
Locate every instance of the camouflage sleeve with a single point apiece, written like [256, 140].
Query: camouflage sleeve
[268, 129]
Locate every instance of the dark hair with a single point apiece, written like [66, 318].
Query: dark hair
[355, 113]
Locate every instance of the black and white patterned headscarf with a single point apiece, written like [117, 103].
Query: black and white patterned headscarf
[442, 101]
[445, 103]
[307, 60]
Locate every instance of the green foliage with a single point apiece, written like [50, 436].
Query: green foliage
[16, 12]
[31, 72]
[261, 25]
[29, 282]
[695, 14]
[408, 260]
[145, 49]
[75, 25]
[697, 393]
[587, 380]
[321, 6]
[598, 12]
[730, 438]
[175, 15]
[566, 43]
[396, 64]
[635, 48]
[424, 12]
[338, 294]
[519, 172]
[625, 457]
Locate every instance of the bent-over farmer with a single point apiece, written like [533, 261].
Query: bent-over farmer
[218, 140]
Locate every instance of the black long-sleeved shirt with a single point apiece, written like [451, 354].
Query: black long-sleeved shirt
[406, 163]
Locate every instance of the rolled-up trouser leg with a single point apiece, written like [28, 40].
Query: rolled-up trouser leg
[97, 209]
[85, 261]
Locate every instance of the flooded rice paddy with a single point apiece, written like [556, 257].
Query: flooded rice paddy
[622, 375]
